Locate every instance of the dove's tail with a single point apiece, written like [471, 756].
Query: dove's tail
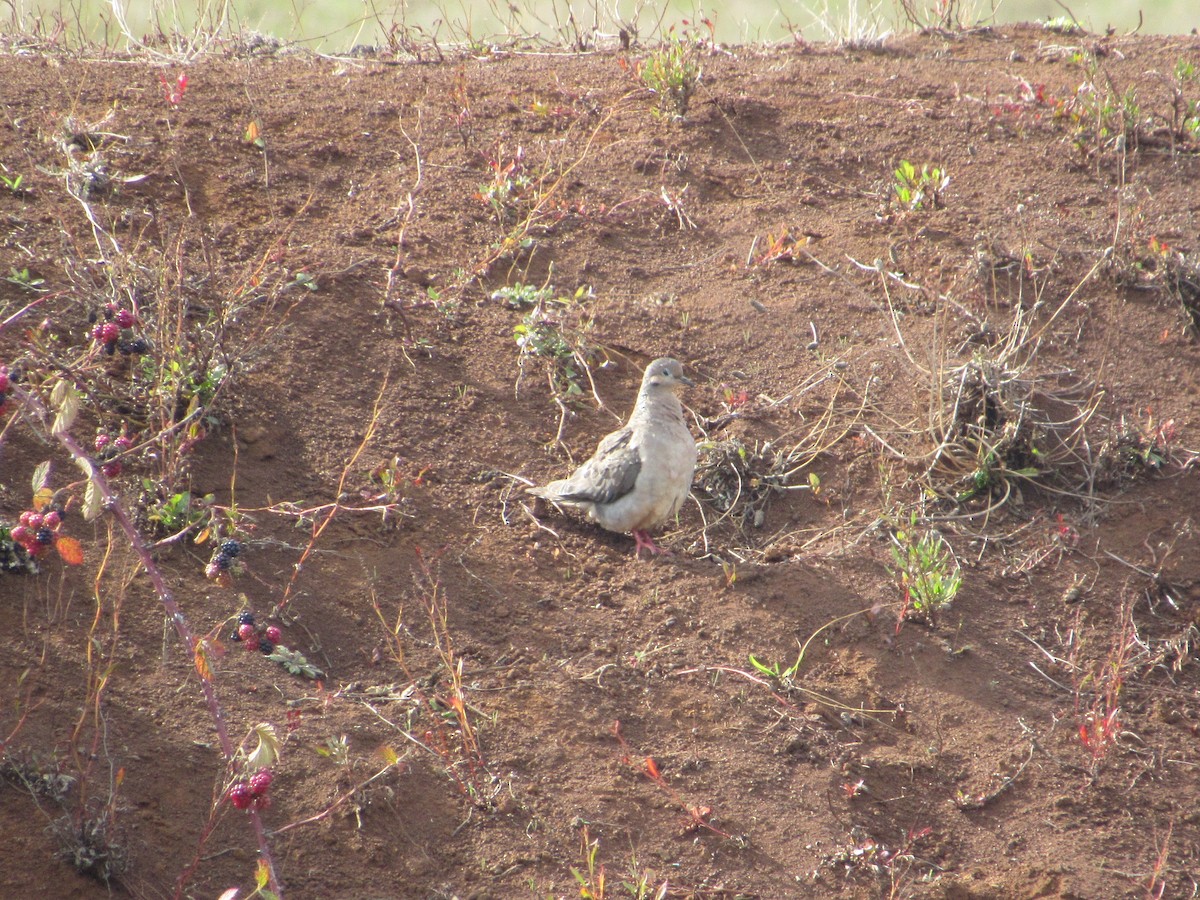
[561, 493]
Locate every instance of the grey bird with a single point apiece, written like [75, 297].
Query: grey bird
[640, 474]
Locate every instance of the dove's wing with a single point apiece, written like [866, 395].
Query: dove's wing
[608, 476]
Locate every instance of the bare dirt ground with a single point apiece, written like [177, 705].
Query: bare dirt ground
[315, 251]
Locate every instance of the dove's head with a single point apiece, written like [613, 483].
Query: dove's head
[665, 375]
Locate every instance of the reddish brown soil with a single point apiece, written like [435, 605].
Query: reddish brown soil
[559, 630]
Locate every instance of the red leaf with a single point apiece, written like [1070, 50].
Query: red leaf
[202, 666]
[70, 550]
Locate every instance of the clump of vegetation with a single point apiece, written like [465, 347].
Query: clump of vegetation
[506, 192]
[782, 247]
[672, 72]
[90, 846]
[898, 865]
[949, 16]
[554, 332]
[1182, 273]
[1142, 445]
[1064, 25]
[917, 190]
[1184, 122]
[25, 280]
[999, 421]
[928, 572]
[1102, 119]
[995, 429]
[739, 481]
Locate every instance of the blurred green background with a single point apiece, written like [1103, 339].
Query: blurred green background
[336, 25]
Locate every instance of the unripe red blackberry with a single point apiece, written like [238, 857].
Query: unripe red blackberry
[107, 333]
[260, 782]
[241, 796]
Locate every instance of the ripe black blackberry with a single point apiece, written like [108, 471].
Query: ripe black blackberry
[265, 646]
[45, 536]
[231, 548]
[246, 618]
[137, 345]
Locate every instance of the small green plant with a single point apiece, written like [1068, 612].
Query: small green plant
[192, 383]
[591, 882]
[304, 280]
[672, 72]
[387, 479]
[176, 513]
[1101, 118]
[1185, 111]
[508, 188]
[928, 572]
[336, 749]
[1062, 25]
[991, 476]
[295, 662]
[522, 296]
[1146, 446]
[915, 190]
[545, 334]
[13, 183]
[26, 281]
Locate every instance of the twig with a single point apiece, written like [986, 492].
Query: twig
[336, 803]
[318, 530]
[965, 801]
[1053, 681]
[20, 312]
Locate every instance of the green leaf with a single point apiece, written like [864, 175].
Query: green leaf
[267, 752]
[66, 400]
[772, 670]
[93, 501]
[41, 476]
[294, 662]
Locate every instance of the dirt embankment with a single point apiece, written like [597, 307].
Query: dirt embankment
[372, 293]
